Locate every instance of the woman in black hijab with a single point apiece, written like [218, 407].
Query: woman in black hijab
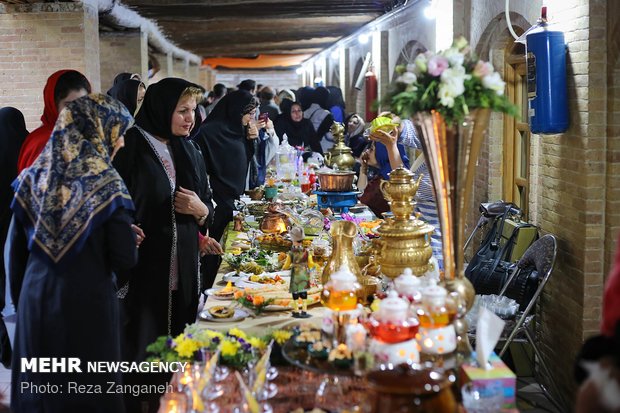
[130, 92]
[299, 131]
[167, 180]
[226, 141]
[12, 134]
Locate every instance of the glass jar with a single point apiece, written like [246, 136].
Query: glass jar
[409, 286]
[392, 323]
[436, 310]
[340, 292]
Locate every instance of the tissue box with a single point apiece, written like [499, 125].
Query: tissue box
[498, 373]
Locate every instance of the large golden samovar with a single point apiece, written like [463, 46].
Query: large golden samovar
[405, 240]
[339, 157]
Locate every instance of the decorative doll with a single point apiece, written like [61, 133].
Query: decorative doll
[299, 260]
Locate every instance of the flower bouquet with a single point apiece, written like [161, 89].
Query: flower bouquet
[237, 348]
[254, 302]
[452, 82]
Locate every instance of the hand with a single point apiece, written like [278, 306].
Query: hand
[188, 203]
[253, 130]
[139, 234]
[209, 246]
[386, 138]
[269, 125]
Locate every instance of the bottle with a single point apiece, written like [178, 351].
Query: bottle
[305, 183]
[285, 161]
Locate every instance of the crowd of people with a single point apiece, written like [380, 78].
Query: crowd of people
[112, 211]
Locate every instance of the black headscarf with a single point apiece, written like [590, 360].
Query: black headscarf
[298, 133]
[12, 134]
[127, 92]
[223, 142]
[121, 77]
[304, 96]
[321, 97]
[335, 97]
[155, 117]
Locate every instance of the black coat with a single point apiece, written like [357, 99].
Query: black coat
[69, 311]
[151, 309]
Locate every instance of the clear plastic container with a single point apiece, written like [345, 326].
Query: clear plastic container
[286, 161]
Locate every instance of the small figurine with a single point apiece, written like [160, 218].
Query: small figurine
[238, 222]
[299, 260]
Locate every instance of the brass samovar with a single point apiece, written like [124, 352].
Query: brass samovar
[405, 240]
[339, 157]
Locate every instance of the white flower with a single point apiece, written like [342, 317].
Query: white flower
[446, 97]
[455, 57]
[454, 79]
[411, 68]
[494, 82]
[407, 78]
[272, 261]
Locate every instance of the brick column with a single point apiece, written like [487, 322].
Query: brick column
[193, 73]
[122, 52]
[39, 39]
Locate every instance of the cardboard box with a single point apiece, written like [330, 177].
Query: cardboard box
[498, 373]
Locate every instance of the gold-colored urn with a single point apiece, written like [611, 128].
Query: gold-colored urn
[343, 233]
[340, 156]
[405, 240]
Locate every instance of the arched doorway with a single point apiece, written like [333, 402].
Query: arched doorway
[407, 55]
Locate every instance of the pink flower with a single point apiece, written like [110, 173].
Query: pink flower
[436, 65]
[482, 69]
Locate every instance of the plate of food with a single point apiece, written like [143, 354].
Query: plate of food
[225, 293]
[223, 314]
[254, 280]
[234, 276]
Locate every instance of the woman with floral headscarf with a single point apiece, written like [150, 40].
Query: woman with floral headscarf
[71, 229]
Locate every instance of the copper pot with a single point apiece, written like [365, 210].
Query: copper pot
[274, 222]
[336, 181]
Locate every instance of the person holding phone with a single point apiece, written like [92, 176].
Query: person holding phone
[267, 103]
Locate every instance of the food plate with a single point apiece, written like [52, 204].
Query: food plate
[239, 314]
[213, 292]
[262, 280]
[234, 277]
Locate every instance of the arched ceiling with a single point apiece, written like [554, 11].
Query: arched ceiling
[247, 28]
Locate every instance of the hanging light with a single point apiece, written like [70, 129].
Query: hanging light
[363, 38]
[335, 54]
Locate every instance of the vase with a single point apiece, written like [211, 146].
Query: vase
[343, 233]
[451, 154]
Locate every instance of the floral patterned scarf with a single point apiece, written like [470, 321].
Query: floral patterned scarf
[72, 187]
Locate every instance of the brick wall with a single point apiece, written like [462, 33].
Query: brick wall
[119, 52]
[612, 216]
[38, 39]
[568, 173]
